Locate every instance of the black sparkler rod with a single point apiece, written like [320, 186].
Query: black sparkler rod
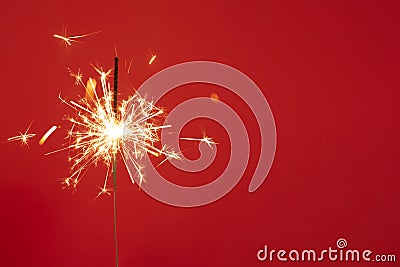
[115, 85]
[114, 166]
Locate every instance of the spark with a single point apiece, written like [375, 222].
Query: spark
[103, 191]
[23, 137]
[130, 65]
[97, 133]
[103, 75]
[90, 88]
[47, 134]
[68, 40]
[152, 59]
[78, 76]
[208, 140]
[115, 50]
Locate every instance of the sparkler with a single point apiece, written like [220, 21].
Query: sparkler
[102, 129]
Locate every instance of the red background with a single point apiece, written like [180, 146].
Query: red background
[328, 70]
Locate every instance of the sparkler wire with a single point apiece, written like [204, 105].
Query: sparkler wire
[114, 166]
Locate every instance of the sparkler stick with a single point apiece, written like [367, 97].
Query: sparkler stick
[114, 168]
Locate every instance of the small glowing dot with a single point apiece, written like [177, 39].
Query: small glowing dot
[214, 97]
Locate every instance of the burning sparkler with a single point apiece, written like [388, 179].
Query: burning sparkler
[102, 129]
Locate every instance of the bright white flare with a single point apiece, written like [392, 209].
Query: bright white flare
[98, 133]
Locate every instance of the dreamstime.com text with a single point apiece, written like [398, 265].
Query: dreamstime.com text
[338, 253]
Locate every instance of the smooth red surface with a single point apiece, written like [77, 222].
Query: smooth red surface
[328, 70]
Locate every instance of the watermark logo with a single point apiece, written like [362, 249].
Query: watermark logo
[339, 253]
[341, 243]
[240, 84]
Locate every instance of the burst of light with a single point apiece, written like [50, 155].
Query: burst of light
[97, 133]
[23, 137]
[47, 134]
[152, 59]
[208, 140]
